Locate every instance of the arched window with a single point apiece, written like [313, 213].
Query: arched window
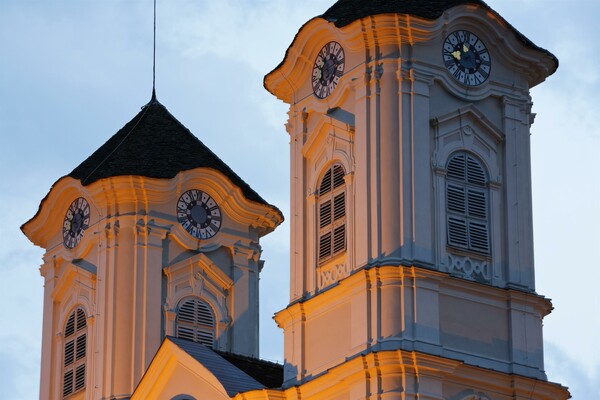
[196, 321]
[467, 204]
[74, 353]
[332, 213]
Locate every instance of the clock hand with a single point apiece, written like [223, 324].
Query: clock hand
[456, 54]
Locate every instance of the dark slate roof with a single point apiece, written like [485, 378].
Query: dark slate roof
[233, 379]
[268, 373]
[156, 145]
[344, 12]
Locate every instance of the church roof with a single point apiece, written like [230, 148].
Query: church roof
[155, 144]
[344, 12]
[233, 379]
[268, 373]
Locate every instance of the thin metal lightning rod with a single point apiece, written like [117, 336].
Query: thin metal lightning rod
[154, 57]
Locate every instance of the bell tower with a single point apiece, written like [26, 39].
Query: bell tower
[412, 272]
[151, 236]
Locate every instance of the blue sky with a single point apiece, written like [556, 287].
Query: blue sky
[72, 72]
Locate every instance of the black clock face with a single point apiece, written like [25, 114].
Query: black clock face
[328, 69]
[77, 220]
[199, 214]
[467, 58]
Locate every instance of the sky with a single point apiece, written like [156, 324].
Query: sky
[73, 72]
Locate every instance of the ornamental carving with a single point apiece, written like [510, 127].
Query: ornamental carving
[329, 274]
[469, 268]
[475, 396]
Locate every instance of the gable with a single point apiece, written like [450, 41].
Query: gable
[185, 367]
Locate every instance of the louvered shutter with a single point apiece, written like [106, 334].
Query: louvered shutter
[338, 176]
[325, 248]
[80, 377]
[81, 320]
[467, 203]
[325, 186]
[70, 327]
[475, 173]
[324, 214]
[456, 167]
[339, 239]
[339, 206]
[332, 213]
[74, 355]
[457, 232]
[69, 353]
[456, 198]
[477, 203]
[68, 383]
[196, 322]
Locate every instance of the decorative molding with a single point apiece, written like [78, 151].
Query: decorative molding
[197, 284]
[331, 273]
[472, 396]
[242, 254]
[470, 268]
[349, 178]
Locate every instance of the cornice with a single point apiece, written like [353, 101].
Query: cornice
[139, 196]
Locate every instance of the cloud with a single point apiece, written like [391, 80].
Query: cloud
[562, 367]
[255, 32]
[20, 375]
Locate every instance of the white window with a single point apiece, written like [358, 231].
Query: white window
[332, 213]
[196, 321]
[74, 356]
[467, 204]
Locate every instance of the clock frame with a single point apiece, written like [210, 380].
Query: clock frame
[75, 222]
[466, 58]
[328, 69]
[199, 214]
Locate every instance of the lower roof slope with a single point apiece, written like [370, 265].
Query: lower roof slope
[234, 376]
[267, 373]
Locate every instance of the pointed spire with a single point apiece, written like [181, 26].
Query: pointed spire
[153, 100]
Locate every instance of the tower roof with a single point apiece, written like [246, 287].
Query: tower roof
[344, 12]
[155, 144]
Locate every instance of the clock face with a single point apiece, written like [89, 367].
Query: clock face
[467, 58]
[328, 69]
[77, 220]
[199, 214]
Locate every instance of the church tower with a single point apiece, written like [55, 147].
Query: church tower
[152, 236]
[412, 271]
